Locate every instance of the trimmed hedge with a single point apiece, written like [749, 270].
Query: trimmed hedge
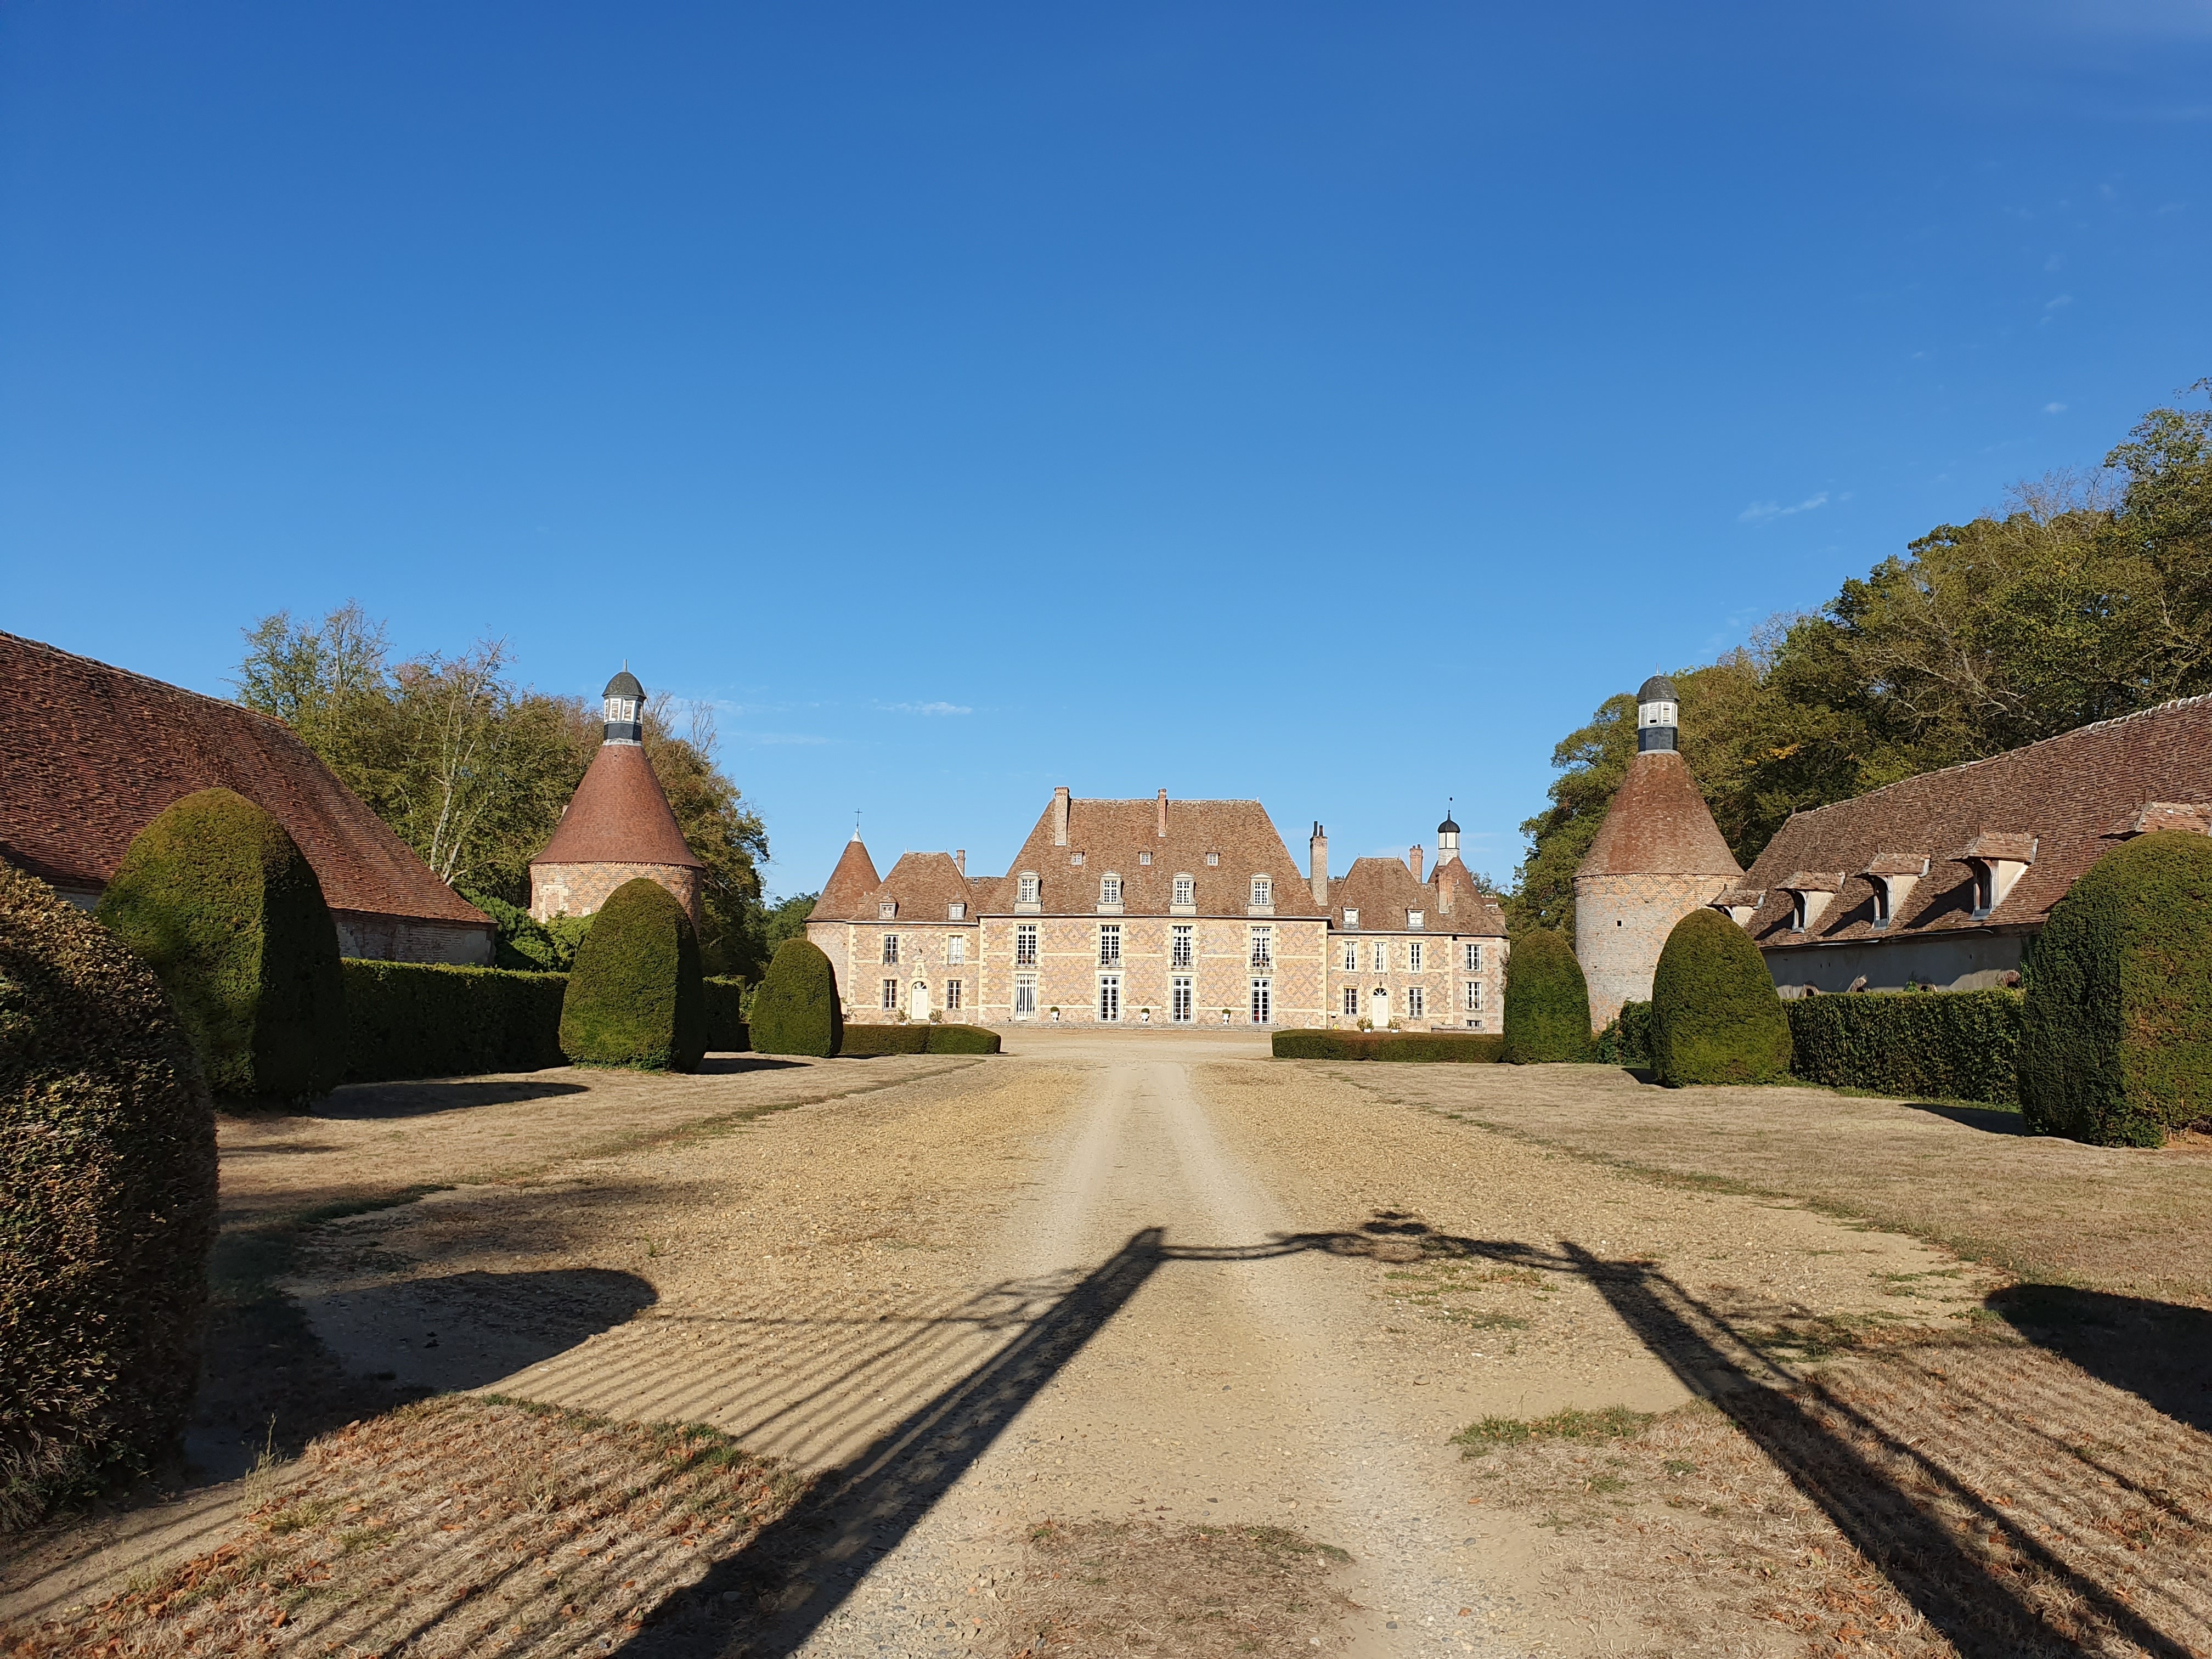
[1626, 1039]
[1548, 1012]
[410, 1019]
[1715, 1016]
[919, 1039]
[107, 1162]
[1466, 1047]
[225, 908]
[2116, 1040]
[796, 1011]
[635, 996]
[726, 1015]
[1955, 1045]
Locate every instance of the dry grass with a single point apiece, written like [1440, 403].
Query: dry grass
[1101, 1588]
[459, 1526]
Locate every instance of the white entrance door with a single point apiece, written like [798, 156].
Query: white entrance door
[917, 1002]
[1378, 1010]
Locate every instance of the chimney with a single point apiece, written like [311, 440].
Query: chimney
[1160, 814]
[1317, 864]
[1060, 816]
[1413, 859]
[960, 860]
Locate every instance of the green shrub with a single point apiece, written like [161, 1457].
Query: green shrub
[410, 1019]
[1955, 1045]
[2116, 1040]
[1715, 1016]
[726, 1015]
[963, 1040]
[228, 912]
[107, 1165]
[527, 944]
[635, 996]
[1626, 1039]
[1466, 1047]
[1547, 1014]
[796, 1011]
[868, 1040]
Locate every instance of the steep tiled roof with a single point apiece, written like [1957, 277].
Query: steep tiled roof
[90, 754]
[1381, 891]
[1111, 835]
[924, 887]
[618, 816]
[851, 881]
[2064, 802]
[1659, 825]
[1462, 907]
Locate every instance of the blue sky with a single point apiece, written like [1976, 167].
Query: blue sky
[1325, 405]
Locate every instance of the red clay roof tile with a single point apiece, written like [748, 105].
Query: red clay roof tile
[618, 816]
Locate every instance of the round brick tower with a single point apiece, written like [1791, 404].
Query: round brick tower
[618, 826]
[1658, 856]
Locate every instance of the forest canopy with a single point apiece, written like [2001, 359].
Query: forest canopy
[2090, 596]
[472, 770]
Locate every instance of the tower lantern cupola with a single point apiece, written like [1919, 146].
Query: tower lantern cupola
[1447, 842]
[1656, 715]
[625, 708]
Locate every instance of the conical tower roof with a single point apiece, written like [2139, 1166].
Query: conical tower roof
[619, 816]
[1659, 825]
[849, 885]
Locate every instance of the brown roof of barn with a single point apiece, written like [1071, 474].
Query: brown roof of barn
[2059, 806]
[1112, 836]
[851, 881]
[94, 753]
[1659, 825]
[618, 816]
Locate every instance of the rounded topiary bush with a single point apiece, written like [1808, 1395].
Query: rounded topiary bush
[1547, 1016]
[1715, 1016]
[2115, 1040]
[224, 907]
[635, 996]
[108, 1206]
[796, 1011]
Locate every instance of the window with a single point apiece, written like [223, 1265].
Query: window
[890, 996]
[1352, 1002]
[1471, 996]
[1263, 1002]
[1109, 998]
[1797, 906]
[886, 911]
[1881, 903]
[1263, 947]
[955, 948]
[1475, 958]
[1110, 945]
[1413, 956]
[891, 949]
[955, 911]
[1213, 859]
[951, 996]
[1186, 890]
[1984, 902]
[1179, 946]
[1024, 996]
[1351, 918]
[1263, 890]
[1179, 1000]
[1025, 944]
[1417, 1002]
[1075, 858]
[1382, 957]
[1109, 889]
[1144, 858]
[1416, 919]
[1029, 890]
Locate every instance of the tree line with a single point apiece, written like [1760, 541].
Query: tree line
[2087, 597]
[472, 770]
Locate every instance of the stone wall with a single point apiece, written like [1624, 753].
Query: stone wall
[1068, 971]
[1443, 980]
[1621, 924]
[1967, 960]
[923, 976]
[413, 939]
[578, 890]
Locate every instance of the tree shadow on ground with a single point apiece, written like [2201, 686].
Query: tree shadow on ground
[481, 1326]
[366, 1102]
[2158, 1351]
[730, 1065]
[1990, 1120]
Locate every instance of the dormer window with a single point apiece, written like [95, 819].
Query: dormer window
[1797, 912]
[1416, 917]
[1109, 889]
[887, 909]
[1144, 858]
[1029, 890]
[1186, 890]
[1075, 858]
[1213, 859]
[955, 911]
[1263, 890]
[1351, 918]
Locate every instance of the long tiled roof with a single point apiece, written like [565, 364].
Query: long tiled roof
[1111, 835]
[90, 754]
[924, 887]
[2061, 804]
[619, 815]
[1659, 825]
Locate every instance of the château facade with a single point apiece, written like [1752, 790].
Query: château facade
[1165, 912]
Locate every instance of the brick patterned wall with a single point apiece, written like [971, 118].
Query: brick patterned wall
[578, 890]
[925, 955]
[1440, 979]
[1621, 924]
[1068, 967]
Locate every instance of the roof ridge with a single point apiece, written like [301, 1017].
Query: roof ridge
[143, 679]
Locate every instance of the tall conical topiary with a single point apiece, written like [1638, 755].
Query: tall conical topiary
[2116, 1040]
[226, 910]
[796, 1011]
[107, 1167]
[1715, 1016]
[1547, 1014]
[634, 996]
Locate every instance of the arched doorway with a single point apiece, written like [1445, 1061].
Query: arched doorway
[1379, 1008]
[917, 1000]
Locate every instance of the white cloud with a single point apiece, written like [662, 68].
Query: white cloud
[2053, 262]
[1760, 512]
[2059, 303]
[926, 708]
[2054, 409]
